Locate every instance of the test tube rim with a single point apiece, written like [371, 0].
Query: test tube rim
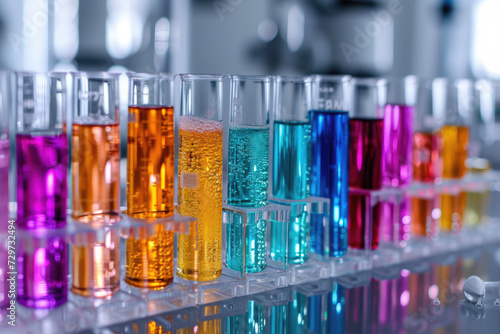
[151, 76]
[253, 77]
[96, 75]
[207, 77]
[328, 77]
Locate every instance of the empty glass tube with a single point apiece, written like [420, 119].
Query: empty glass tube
[150, 178]
[42, 164]
[95, 162]
[200, 176]
[330, 159]
[248, 167]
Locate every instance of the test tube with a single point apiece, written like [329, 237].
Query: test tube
[366, 137]
[4, 187]
[150, 178]
[291, 171]
[455, 135]
[95, 161]
[248, 167]
[427, 165]
[397, 157]
[42, 164]
[398, 132]
[95, 158]
[330, 159]
[200, 176]
[455, 132]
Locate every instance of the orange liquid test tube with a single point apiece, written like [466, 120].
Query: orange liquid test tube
[150, 180]
[96, 183]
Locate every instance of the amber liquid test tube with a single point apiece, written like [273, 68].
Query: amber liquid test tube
[200, 176]
[150, 179]
[454, 153]
[95, 163]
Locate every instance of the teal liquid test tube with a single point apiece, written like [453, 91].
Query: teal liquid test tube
[291, 168]
[248, 170]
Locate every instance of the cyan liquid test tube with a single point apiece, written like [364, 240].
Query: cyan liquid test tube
[42, 164]
[248, 168]
[330, 159]
[291, 169]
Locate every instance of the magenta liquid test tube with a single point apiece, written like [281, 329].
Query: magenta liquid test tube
[42, 164]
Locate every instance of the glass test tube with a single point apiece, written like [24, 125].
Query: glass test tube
[366, 136]
[455, 135]
[95, 161]
[291, 171]
[42, 165]
[200, 176]
[5, 236]
[397, 157]
[330, 158]
[248, 168]
[150, 178]
[427, 164]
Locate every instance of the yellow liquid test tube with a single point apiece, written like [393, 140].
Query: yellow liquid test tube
[200, 196]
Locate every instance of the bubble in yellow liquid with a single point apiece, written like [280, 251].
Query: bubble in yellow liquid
[200, 196]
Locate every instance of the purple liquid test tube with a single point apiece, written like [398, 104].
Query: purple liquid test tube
[42, 164]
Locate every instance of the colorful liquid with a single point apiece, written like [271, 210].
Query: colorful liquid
[200, 196]
[96, 265]
[452, 211]
[336, 322]
[42, 164]
[395, 221]
[426, 162]
[454, 152]
[398, 146]
[42, 273]
[150, 194]
[150, 162]
[424, 217]
[150, 258]
[476, 211]
[208, 326]
[96, 169]
[297, 314]
[329, 175]
[248, 166]
[255, 245]
[365, 172]
[291, 179]
[248, 173]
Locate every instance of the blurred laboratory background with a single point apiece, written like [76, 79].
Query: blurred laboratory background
[390, 38]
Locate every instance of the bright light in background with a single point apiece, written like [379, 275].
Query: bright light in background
[267, 30]
[162, 36]
[485, 42]
[66, 30]
[295, 28]
[125, 27]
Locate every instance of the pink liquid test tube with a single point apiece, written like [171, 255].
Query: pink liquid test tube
[42, 164]
[397, 161]
[366, 126]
